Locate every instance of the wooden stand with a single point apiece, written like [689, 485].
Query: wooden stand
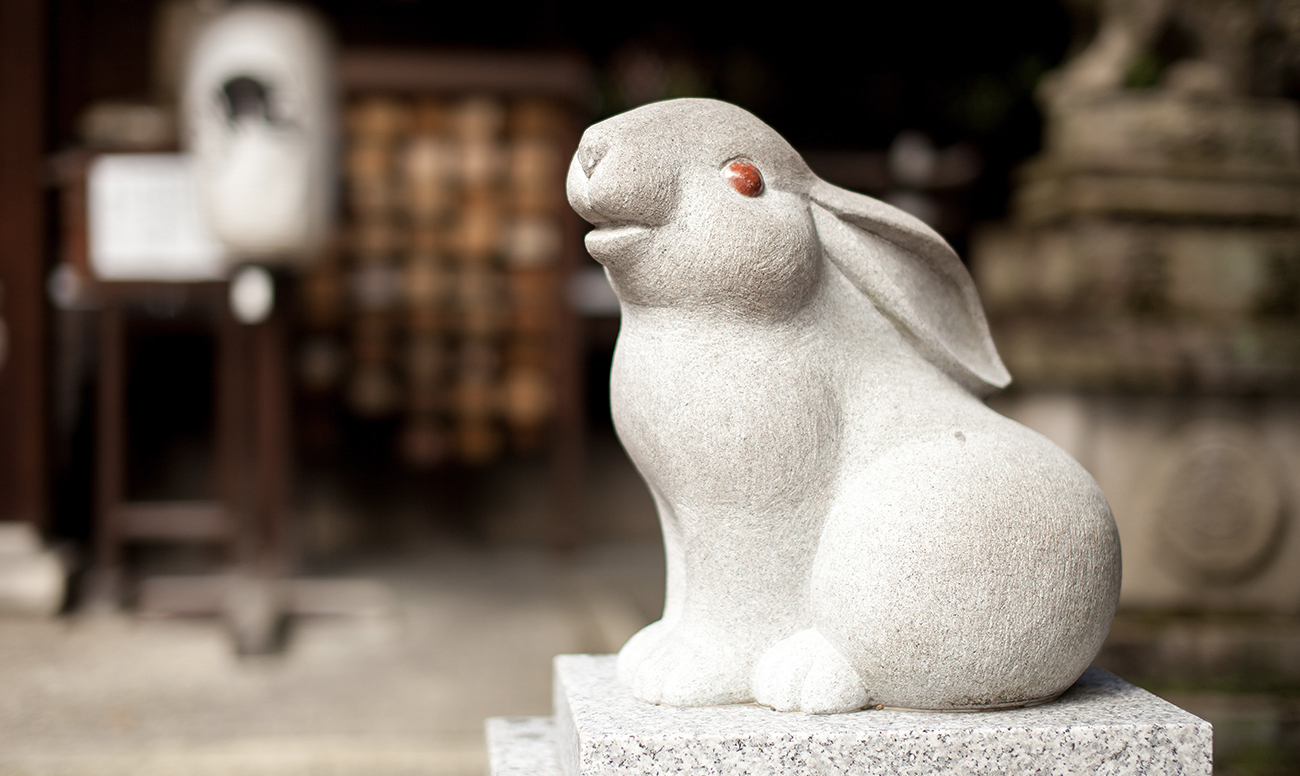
[252, 452]
[248, 518]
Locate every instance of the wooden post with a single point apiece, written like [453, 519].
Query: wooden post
[271, 430]
[22, 299]
[110, 449]
[233, 465]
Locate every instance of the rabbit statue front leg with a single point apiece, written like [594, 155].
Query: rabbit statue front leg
[731, 476]
[703, 651]
[681, 663]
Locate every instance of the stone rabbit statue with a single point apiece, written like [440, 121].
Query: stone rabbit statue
[798, 378]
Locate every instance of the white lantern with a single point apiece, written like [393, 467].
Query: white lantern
[260, 113]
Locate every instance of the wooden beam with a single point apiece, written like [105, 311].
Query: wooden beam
[192, 521]
[558, 75]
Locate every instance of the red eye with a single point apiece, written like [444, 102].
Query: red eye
[744, 177]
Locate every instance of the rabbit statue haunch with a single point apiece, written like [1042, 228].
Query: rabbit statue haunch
[798, 378]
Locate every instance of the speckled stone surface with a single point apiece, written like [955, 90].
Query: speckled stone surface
[1101, 725]
[522, 746]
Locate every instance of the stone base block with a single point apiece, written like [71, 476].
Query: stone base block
[1101, 725]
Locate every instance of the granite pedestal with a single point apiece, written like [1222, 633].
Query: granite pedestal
[1100, 725]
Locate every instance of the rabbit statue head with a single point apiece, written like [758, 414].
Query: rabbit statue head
[721, 211]
[798, 378]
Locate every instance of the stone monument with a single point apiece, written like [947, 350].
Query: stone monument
[1146, 294]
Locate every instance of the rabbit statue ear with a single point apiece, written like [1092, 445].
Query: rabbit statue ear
[914, 278]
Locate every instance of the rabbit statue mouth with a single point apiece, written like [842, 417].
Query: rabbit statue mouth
[624, 208]
[613, 236]
[614, 239]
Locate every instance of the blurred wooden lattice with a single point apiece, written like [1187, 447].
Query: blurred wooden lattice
[444, 306]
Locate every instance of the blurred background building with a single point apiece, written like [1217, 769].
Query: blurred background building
[428, 415]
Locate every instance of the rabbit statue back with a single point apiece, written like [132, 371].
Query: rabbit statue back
[799, 379]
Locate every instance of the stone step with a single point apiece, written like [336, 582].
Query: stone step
[33, 580]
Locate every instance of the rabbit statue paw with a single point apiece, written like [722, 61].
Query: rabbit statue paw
[799, 378]
[805, 673]
[675, 668]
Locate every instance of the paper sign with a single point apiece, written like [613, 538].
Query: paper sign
[146, 222]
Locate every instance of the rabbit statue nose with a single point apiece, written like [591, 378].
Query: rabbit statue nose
[590, 152]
